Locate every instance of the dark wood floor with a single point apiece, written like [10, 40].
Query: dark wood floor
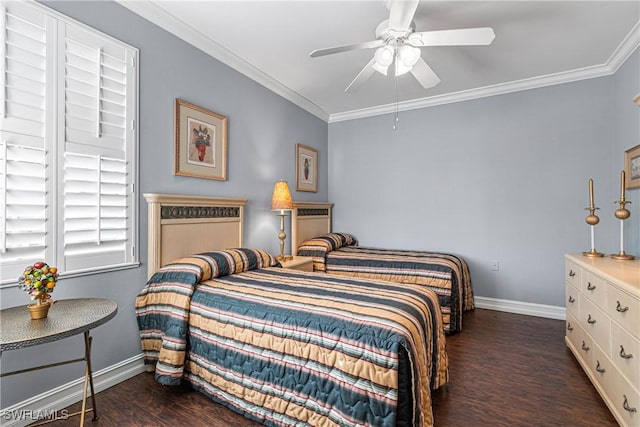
[505, 370]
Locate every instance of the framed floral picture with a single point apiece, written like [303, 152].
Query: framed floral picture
[632, 167]
[200, 142]
[306, 168]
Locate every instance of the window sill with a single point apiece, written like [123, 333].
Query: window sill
[10, 283]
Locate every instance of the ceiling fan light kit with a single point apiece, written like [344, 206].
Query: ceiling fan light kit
[396, 41]
[383, 58]
[406, 58]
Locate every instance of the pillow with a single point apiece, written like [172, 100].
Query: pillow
[209, 265]
[347, 239]
[318, 247]
[237, 260]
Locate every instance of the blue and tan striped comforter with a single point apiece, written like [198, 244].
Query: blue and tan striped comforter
[446, 274]
[285, 347]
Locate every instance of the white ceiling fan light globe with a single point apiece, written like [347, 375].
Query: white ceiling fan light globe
[401, 68]
[383, 58]
[409, 55]
[379, 68]
[407, 58]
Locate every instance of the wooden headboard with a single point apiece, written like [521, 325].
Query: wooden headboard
[309, 220]
[179, 226]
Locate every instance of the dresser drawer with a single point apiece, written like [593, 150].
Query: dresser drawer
[573, 300]
[572, 273]
[579, 339]
[595, 323]
[624, 309]
[624, 399]
[595, 288]
[625, 353]
[602, 367]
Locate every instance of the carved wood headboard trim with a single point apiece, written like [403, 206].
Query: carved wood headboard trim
[179, 226]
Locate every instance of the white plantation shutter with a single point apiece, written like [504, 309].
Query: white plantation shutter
[97, 165]
[96, 216]
[26, 200]
[24, 73]
[24, 206]
[95, 90]
[67, 144]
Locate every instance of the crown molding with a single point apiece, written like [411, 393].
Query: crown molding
[163, 19]
[467, 95]
[625, 49]
[180, 29]
[622, 52]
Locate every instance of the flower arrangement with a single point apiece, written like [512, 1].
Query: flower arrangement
[39, 280]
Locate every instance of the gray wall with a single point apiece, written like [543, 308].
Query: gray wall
[627, 135]
[263, 130]
[502, 178]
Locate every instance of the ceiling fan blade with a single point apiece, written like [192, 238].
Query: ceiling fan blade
[362, 76]
[461, 37]
[331, 50]
[401, 14]
[424, 74]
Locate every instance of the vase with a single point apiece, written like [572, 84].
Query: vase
[39, 310]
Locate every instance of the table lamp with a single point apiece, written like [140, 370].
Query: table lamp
[281, 201]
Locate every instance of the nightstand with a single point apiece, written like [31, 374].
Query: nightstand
[301, 263]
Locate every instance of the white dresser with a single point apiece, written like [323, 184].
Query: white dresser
[603, 329]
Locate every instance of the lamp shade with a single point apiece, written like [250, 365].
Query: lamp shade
[281, 199]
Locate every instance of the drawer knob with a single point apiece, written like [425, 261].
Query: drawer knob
[625, 355]
[571, 299]
[590, 320]
[590, 287]
[626, 406]
[569, 327]
[572, 273]
[584, 346]
[620, 308]
[598, 368]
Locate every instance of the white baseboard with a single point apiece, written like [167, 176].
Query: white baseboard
[518, 307]
[53, 401]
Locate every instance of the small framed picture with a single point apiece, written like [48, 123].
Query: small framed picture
[632, 167]
[200, 142]
[306, 168]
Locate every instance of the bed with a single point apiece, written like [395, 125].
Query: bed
[339, 254]
[282, 347]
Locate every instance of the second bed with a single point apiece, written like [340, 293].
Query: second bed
[339, 254]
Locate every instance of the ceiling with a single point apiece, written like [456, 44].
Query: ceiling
[538, 43]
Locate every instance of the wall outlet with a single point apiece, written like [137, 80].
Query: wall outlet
[495, 266]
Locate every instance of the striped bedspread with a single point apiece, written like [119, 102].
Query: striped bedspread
[285, 347]
[446, 274]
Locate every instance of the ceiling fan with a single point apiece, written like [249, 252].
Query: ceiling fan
[398, 43]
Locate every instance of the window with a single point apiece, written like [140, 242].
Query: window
[68, 141]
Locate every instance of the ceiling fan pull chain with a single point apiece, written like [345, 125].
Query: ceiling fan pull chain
[395, 114]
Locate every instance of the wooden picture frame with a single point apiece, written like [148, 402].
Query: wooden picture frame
[632, 167]
[200, 142]
[306, 168]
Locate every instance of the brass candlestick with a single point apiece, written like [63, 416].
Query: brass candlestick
[622, 213]
[592, 219]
